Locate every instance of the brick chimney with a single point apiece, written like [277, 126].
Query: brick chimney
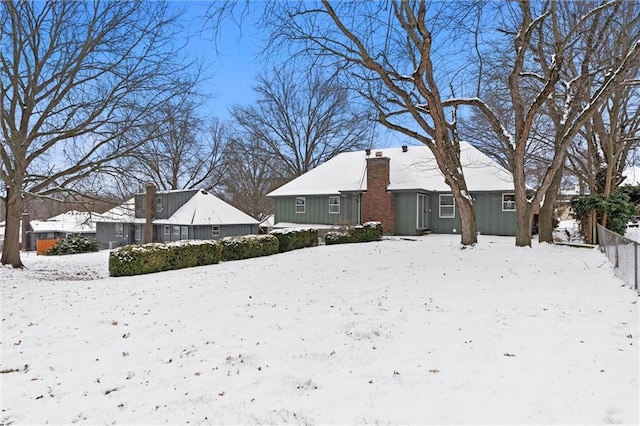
[377, 202]
[150, 213]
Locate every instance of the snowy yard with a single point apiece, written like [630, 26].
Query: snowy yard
[396, 331]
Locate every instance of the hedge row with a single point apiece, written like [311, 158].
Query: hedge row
[73, 244]
[156, 257]
[293, 239]
[370, 231]
[248, 246]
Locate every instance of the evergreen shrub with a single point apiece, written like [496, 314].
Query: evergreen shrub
[156, 257]
[292, 239]
[248, 246]
[73, 244]
[370, 231]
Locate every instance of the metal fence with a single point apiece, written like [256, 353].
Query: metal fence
[622, 253]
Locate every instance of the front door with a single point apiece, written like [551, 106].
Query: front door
[423, 212]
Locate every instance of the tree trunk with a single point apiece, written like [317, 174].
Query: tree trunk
[11, 249]
[468, 225]
[524, 209]
[524, 219]
[545, 217]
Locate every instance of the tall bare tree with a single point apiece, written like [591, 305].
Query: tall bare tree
[249, 177]
[386, 50]
[77, 81]
[302, 118]
[183, 152]
[600, 44]
[544, 41]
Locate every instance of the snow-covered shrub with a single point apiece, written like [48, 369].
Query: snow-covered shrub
[370, 231]
[247, 246]
[73, 244]
[292, 239]
[156, 257]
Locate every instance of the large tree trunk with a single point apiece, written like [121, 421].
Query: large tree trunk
[524, 220]
[469, 228]
[545, 217]
[524, 209]
[11, 249]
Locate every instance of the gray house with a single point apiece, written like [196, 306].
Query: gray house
[163, 216]
[400, 187]
[59, 227]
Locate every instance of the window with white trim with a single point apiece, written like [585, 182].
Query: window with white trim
[508, 202]
[120, 230]
[447, 206]
[215, 231]
[175, 236]
[334, 204]
[184, 232]
[158, 204]
[138, 234]
[301, 205]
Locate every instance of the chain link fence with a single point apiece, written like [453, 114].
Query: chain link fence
[622, 253]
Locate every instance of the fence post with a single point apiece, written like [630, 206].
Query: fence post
[635, 269]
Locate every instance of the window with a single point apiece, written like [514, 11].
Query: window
[508, 202]
[176, 233]
[158, 204]
[215, 231]
[167, 233]
[184, 232]
[301, 204]
[120, 230]
[138, 235]
[334, 205]
[447, 206]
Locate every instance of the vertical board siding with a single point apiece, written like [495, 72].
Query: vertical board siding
[317, 210]
[172, 201]
[106, 233]
[491, 220]
[442, 225]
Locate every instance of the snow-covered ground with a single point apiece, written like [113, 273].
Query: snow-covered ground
[397, 331]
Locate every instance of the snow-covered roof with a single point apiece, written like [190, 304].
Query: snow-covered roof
[125, 212]
[632, 175]
[207, 209]
[415, 169]
[268, 221]
[71, 222]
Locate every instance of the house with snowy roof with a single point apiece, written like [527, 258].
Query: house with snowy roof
[164, 216]
[400, 187]
[58, 227]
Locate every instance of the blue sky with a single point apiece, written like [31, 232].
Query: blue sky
[231, 64]
[234, 61]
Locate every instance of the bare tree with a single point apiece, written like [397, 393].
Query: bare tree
[601, 41]
[77, 81]
[544, 42]
[183, 152]
[386, 50]
[249, 177]
[302, 119]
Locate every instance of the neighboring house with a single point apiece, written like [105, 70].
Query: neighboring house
[162, 216]
[58, 227]
[400, 187]
[117, 226]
